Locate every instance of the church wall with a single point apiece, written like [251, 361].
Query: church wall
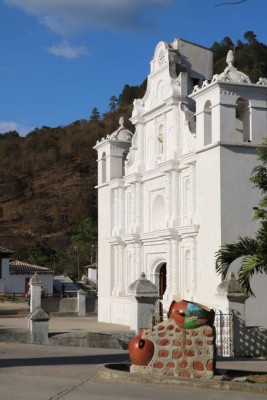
[120, 310]
[105, 259]
[256, 315]
[208, 217]
[238, 201]
[258, 124]
[238, 194]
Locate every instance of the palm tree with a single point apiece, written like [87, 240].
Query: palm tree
[254, 259]
[252, 250]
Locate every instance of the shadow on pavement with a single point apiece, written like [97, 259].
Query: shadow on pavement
[68, 360]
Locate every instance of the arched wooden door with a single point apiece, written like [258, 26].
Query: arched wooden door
[162, 285]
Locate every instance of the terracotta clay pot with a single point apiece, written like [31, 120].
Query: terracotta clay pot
[141, 351]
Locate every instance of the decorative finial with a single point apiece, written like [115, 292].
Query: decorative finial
[121, 122]
[230, 59]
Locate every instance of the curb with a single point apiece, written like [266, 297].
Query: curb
[111, 371]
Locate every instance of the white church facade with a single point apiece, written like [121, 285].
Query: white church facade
[173, 192]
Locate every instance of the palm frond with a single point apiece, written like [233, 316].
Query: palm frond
[251, 265]
[245, 246]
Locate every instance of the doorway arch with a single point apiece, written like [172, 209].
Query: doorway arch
[162, 284]
[157, 273]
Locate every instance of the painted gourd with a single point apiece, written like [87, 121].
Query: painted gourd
[189, 315]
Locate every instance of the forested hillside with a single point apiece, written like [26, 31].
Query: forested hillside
[48, 204]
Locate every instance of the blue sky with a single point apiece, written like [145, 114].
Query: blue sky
[61, 58]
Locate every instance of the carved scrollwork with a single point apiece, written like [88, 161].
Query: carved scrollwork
[262, 81]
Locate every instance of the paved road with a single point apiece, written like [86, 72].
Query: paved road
[33, 372]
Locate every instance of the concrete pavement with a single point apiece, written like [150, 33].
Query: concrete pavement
[36, 372]
[13, 315]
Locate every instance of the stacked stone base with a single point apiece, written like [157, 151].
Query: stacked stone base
[178, 352]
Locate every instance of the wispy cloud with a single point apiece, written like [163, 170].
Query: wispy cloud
[63, 49]
[7, 126]
[67, 16]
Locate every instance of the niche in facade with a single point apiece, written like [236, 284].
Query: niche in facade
[242, 121]
[160, 141]
[207, 123]
[104, 167]
[158, 213]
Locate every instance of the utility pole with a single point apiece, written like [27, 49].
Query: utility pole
[78, 260]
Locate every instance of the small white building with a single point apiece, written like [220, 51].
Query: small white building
[178, 188]
[91, 274]
[15, 275]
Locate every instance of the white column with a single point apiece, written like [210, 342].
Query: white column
[121, 289]
[138, 204]
[81, 299]
[193, 269]
[168, 198]
[138, 258]
[193, 192]
[133, 211]
[178, 138]
[121, 210]
[35, 292]
[115, 208]
[175, 195]
[168, 291]
[116, 271]
[175, 268]
[140, 143]
[133, 264]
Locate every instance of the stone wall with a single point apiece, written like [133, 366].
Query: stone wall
[180, 352]
[70, 305]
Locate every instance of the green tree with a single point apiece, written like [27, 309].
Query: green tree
[42, 254]
[95, 115]
[84, 242]
[253, 251]
[130, 93]
[250, 37]
[227, 41]
[11, 135]
[113, 103]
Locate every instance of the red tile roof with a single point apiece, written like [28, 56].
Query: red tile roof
[25, 268]
[6, 252]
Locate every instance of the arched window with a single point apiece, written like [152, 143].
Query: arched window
[158, 213]
[207, 123]
[104, 168]
[242, 121]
